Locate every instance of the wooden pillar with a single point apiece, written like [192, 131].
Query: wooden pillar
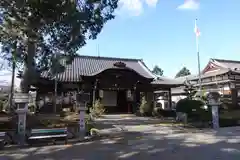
[137, 98]
[234, 97]
[95, 92]
[170, 98]
[93, 96]
[234, 94]
[62, 96]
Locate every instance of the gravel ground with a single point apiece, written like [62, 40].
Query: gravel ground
[141, 142]
[157, 143]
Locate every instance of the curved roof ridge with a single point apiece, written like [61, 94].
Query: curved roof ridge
[108, 58]
[225, 60]
[147, 69]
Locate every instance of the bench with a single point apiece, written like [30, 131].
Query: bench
[46, 135]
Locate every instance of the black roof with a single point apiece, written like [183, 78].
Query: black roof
[91, 65]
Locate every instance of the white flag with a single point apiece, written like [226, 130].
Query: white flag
[196, 29]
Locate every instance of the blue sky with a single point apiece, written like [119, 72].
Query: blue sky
[161, 32]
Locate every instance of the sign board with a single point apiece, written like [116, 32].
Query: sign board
[21, 97]
[129, 94]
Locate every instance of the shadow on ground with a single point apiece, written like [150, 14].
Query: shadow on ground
[111, 121]
[137, 145]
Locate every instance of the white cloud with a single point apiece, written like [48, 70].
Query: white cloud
[134, 7]
[189, 5]
[151, 3]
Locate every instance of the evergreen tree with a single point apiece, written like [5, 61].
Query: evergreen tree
[38, 29]
[157, 70]
[183, 72]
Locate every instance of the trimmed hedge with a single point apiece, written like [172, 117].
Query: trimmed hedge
[227, 122]
[187, 105]
[194, 109]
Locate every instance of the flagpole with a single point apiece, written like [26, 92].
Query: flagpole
[198, 58]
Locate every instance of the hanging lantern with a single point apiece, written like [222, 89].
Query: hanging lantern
[232, 85]
[129, 94]
[101, 93]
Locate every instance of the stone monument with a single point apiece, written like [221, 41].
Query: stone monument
[214, 101]
[81, 100]
[21, 100]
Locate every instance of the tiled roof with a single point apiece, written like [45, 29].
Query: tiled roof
[178, 90]
[166, 81]
[231, 64]
[216, 82]
[185, 78]
[91, 65]
[174, 91]
[212, 73]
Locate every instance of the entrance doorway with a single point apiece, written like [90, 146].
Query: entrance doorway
[122, 104]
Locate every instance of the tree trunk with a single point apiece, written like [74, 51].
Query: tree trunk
[29, 69]
[9, 106]
[13, 80]
[55, 96]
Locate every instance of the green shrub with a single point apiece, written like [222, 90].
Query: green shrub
[62, 113]
[155, 111]
[194, 109]
[188, 106]
[228, 122]
[166, 113]
[32, 107]
[145, 108]
[97, 109]
[89, 124]
[2, 104]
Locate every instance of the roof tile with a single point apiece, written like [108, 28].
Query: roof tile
[90, 66]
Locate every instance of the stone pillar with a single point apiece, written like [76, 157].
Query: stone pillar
[95, 93]
[214, 101]
[82, 127]
[215, 117]
[22, 124]
[21, 100]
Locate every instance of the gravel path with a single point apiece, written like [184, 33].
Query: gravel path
[152, 142]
